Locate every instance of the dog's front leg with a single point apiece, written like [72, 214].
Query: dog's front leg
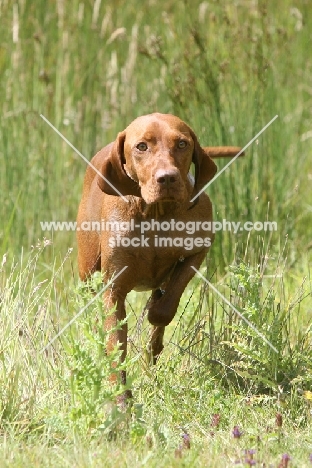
[117, 335]
[163, 306]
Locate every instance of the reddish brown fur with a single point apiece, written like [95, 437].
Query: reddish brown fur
[156, 184]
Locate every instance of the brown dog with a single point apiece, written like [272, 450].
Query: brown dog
[141, 184]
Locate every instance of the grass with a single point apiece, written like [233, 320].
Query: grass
[58, 398]
[91, 68]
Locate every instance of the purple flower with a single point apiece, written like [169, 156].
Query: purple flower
[284, 461]
[236, 432]
[250, 452]
[186, 440]
[249, 460]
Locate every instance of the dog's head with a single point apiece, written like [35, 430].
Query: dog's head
[152, 159]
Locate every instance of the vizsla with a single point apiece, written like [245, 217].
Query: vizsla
[143, 179]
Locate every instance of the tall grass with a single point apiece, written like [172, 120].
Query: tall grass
[59, 393]
[91, 68]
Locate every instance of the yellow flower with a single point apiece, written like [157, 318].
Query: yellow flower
[307, 395]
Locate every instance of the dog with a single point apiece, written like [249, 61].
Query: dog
[142, 187]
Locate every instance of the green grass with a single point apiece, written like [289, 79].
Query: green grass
[91, 68]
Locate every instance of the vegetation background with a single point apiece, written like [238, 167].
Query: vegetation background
[91, 67]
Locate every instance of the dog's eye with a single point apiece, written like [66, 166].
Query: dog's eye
[182, 144]
[142, 146]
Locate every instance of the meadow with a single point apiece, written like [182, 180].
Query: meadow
[219, 395]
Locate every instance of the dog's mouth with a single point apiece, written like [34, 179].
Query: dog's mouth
[164, 199]
[159, 207]
[152, 195]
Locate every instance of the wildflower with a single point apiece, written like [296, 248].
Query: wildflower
[250, 452]
[186, 445]
[186, 440]
[249, 460]
[284, 461]
[236, 432]
[307, 395]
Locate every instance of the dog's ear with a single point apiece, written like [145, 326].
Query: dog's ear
[205, 168]
[114, 175]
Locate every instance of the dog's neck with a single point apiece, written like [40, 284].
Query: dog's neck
[157, 210]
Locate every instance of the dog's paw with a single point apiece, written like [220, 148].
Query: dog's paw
[160, 310]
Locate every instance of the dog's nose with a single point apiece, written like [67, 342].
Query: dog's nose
[166, 178]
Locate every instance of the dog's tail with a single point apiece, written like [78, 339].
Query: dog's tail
[222, 151]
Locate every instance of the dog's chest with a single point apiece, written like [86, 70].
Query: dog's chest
[151, 246]
[157, 239]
